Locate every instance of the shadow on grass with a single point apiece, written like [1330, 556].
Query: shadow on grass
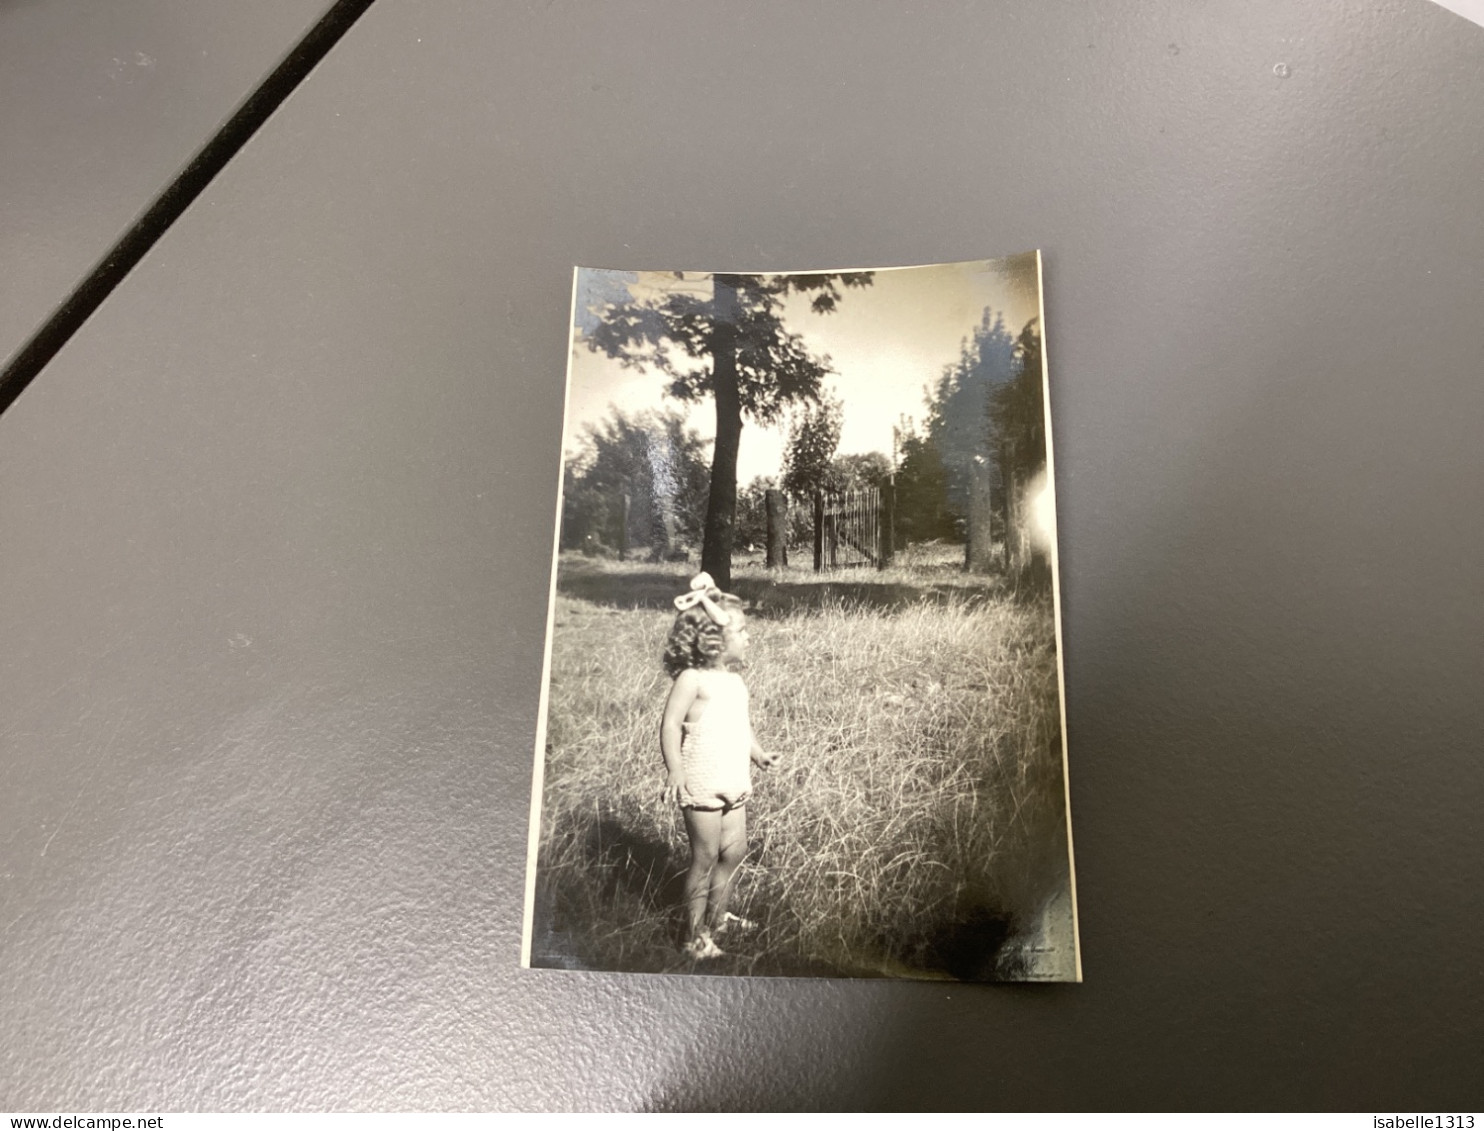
[637, 865]
[620, 909]
[616, 903]
[612, 903]
[970, 947]
[766, 597]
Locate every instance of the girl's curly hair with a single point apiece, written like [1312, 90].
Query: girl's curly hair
[695, 639]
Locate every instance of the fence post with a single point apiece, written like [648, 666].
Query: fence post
[818, 531]
[661, 527]
[623, 529]
[777, 512]
[887, 547]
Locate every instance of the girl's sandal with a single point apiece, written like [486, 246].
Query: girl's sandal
[730, 922]
[701, 947]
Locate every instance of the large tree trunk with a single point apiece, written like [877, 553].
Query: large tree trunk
[721, 506]
[777, 512]
[980, 551]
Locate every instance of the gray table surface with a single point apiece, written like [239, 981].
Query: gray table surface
[101, 106]
[278, 521]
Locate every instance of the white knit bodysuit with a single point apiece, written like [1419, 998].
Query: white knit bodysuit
[716, 749]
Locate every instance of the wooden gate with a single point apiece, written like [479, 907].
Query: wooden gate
[852, 529]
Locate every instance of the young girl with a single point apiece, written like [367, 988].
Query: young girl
[707, 742]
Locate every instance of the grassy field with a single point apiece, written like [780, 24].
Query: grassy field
[915, 825]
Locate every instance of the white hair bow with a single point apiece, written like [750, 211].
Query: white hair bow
[703, 592]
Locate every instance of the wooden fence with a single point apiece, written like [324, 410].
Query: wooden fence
[852, 529]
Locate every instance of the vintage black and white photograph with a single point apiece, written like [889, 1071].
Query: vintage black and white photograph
[803, 708]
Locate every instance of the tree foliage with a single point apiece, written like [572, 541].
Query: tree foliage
[1017, 429]
[654, 459]
[857, 470]
[1017, 412]
[724, 337]
[813, 436]
[922, 489]
[674, 333]
[958, 405]
[936, 461]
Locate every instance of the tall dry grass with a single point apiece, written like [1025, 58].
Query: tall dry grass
[915, 824]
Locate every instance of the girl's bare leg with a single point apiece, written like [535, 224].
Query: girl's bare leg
[733, 847]
[705, 830]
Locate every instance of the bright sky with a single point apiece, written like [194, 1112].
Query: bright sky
[885, 342]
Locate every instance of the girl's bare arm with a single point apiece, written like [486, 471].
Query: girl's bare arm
[760, 757]
[682, 694]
